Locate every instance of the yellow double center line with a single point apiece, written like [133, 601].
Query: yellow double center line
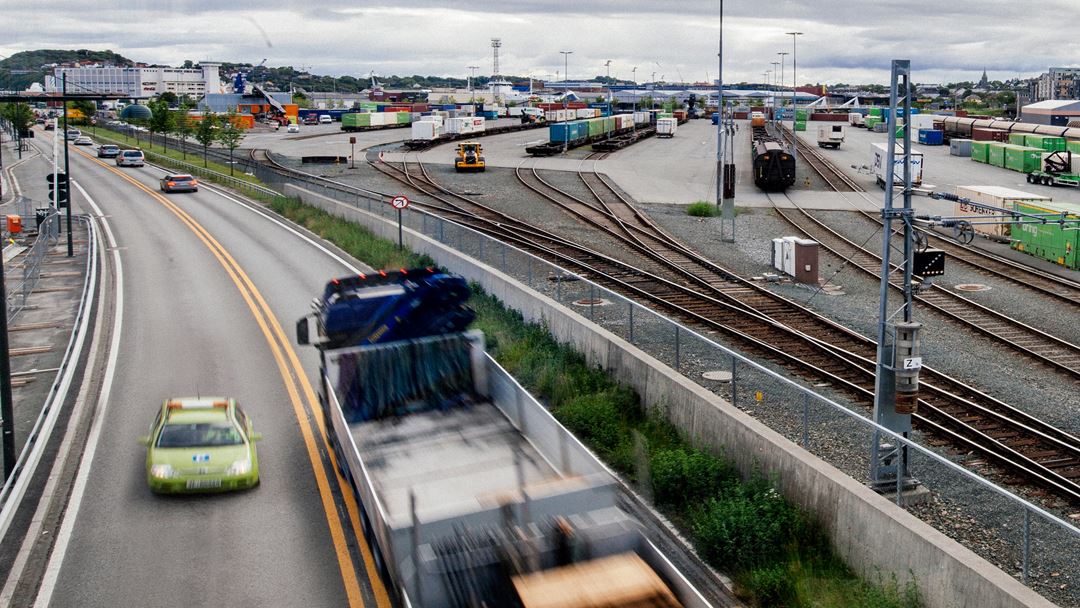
[296, 382]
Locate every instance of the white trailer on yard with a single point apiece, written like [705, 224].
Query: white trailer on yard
[879, 160]
[830, 135]
[666, 127]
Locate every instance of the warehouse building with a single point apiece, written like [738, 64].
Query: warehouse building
[138, 81]
[1056, 112]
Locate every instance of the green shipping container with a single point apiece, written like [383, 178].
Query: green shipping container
[800, 115]
[1072, 146]
[404, 118]
[1018, 139]
[875, 112]
[870, 121]
[980, 151]
[356, 119]
[1048, 241]
[1023, 159]
[609, 124]
[800, 125]
[596, 126]
[1048, 143]
[995, 154]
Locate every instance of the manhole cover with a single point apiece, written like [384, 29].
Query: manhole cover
[973, 287]
[717, 376]
[591, 302]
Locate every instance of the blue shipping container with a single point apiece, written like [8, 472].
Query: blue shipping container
[931, 137]
[715, 118]
[562, 132]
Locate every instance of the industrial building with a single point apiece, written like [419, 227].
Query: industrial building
[1056, 112]
[138, 81]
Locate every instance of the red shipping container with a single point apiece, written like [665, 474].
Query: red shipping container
[829, 117]
[961, 114]
[983, 134]
[740, 115]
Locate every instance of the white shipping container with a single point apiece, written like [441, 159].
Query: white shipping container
[642, 118]
[426, 130]
[435, 118]
[514, 112]
[995, 196]
[464, 125]
[855, 119]
[555, 115]
[879, 154]
[666, 127]
[924, 121]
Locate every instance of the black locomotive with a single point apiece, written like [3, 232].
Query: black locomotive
[774, 166]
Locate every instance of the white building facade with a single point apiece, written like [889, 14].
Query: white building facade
[138, 82]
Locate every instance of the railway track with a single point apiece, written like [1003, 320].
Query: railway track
[814, 348]
[983, 262]
[1034, 343]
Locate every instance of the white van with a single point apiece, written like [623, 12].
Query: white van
[324, 119]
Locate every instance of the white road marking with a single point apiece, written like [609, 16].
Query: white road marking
[63, 537]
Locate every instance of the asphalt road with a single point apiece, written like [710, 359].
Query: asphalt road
[188, 330]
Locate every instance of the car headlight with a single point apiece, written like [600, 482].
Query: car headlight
[240, 467]
[162, 471]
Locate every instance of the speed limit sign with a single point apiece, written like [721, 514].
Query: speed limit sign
[399, 202]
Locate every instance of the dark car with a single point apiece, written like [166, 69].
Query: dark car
[108, 151]
[181, 182]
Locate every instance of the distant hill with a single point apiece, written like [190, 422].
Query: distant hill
[21, 69]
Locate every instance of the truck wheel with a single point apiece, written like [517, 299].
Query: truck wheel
[1048, 180]
[1030, 178]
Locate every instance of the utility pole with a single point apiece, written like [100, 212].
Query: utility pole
[725, 171]
[472, 74]
[898, 350]
[67, 169]
[794, 100]
[782, 54]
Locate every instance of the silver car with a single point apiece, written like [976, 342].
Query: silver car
[130, 158]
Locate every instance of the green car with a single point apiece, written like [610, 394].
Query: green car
[201, 444]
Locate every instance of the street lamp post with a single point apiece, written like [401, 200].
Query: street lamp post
[472, 74]
[566, 80]
[782, 55]
[775, 73]
[794, 86]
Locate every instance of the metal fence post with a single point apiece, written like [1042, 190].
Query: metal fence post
[481, 256]
[734, 395]
[678, 355]
[630, 305]
[529, 283]
[806, 421]
[1027, 542]
[442, 230]
[592, 301]
[558, 287]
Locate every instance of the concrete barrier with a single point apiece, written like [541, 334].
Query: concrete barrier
[871, 534]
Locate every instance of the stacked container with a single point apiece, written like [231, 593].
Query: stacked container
[931, 137]
[1044, 142]
[980, 151]
[1022, 158]
[1072, 146]
[995, 154]
[960, 147]
[464, 125]
[569, 132]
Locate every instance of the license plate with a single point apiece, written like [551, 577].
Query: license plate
[202, 484]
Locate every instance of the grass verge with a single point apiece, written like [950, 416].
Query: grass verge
[774, 551]
[702, 209]
[172, 154]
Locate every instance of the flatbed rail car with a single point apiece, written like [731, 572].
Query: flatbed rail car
[419, 145]
[469, 488]
[577, 133]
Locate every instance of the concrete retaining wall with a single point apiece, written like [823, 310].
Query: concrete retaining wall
[870, 533]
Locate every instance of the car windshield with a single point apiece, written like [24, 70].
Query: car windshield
[180, 435]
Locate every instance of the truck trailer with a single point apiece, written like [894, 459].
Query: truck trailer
[879, 154]
[472, 493]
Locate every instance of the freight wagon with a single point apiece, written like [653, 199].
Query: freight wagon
[988, 221]
[425, 137]
[1054, 242]
[364, 121]
[772, 164]
[471, 492]
[965, 127]
[575, 133]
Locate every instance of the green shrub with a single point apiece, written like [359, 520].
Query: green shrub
[702, 209]
[683, 476]
[768, 586]
[595, 419]
[750, 525]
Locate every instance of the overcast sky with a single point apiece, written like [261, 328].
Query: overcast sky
[843, 41]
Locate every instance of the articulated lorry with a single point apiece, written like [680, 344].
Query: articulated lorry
[472, 494]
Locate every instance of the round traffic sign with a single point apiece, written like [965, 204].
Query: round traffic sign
[399, 202]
